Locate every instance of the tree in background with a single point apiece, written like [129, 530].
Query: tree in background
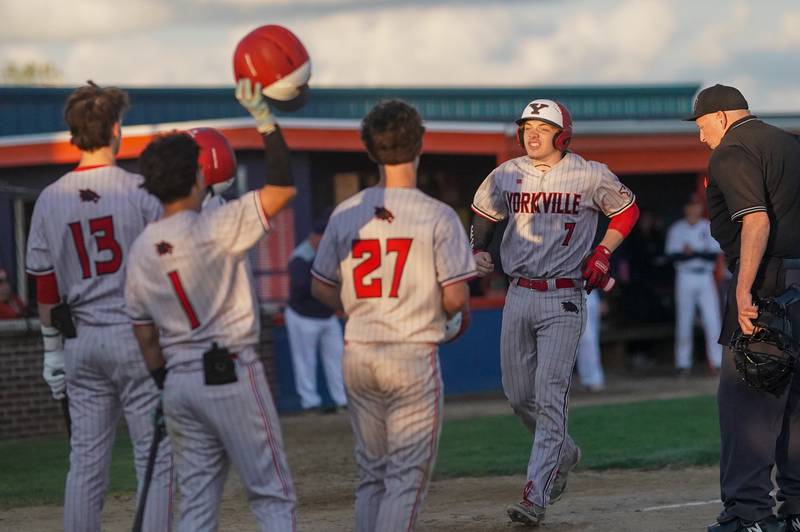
[30, 73]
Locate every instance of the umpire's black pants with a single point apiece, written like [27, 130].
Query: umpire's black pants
[758, 430]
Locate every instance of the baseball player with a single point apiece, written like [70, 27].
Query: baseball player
[397, 262]
[551, 199]
[190, 296]
[694, 253]
[82, 229]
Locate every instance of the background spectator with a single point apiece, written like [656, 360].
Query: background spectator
[11, 306]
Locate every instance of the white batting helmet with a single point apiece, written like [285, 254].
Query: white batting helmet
[553, 113]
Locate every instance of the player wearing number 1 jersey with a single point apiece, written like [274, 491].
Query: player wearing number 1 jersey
[190, 296]
[397, 261]
[82, 229]
[551, 199]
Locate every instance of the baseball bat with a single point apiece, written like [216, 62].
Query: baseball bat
[67, 418]
[158, 435]
[609, 284]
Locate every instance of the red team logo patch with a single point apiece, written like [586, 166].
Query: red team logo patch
[164, 248]
[87, 194]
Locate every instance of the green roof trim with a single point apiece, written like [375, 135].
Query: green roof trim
[30, 110]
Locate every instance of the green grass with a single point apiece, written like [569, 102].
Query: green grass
[643, 435]
[34, 471]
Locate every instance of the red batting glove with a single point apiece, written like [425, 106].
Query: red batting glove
[596, 269]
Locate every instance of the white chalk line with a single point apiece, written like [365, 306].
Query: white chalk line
[680, 505]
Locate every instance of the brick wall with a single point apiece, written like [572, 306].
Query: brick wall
[26, 407]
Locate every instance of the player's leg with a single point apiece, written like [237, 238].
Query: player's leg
[590, 368]
[331, 348]
[244, 415]
[200, 459]
[94, 409]
[412, 378]
[303, 340]
[518, 354]
[139, 396]
[558, 332]
[684, 319]
[708, 299]
[367, 409]
[787, 456]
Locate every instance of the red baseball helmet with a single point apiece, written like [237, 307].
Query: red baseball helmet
[217, 160]
[274, 56]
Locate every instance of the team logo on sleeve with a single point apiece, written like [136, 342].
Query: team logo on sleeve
[569, 306]
[624, 191]
[87, 194]
[382, 213]
[164, 248]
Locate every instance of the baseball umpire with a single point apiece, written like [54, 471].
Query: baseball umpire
[753, 186]
[551, 199]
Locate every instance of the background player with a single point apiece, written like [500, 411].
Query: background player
[397, 261]
[694, 253]
[551, 198]
[82, 228]
[589, 361]
[195, 314]
[312, 326]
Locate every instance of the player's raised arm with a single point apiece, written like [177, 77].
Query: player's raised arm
[279, 190]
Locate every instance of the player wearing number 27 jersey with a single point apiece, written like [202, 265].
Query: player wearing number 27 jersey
[396, 260]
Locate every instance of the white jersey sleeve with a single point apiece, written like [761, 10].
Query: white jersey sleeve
[237, 225]
[489, 200]
[453, 256]
[135, 306]
[327, 260]
[38, 259]
[674, 242]
[610, 196]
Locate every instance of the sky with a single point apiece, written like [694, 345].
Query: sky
[753, 45]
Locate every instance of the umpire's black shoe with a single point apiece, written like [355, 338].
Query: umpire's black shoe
[768, 524]
[792, 522]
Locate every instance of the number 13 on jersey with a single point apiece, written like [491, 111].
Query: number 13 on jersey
[374, 256]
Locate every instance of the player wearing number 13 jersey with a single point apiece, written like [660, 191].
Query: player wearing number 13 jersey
[397, 261]
[551, 199]
[82, 229]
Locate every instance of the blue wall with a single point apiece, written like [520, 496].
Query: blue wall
[470, 364]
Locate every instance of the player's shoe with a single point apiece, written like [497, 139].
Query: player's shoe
[526, 512]
[560, 483]
[792, 522]
[768, 524]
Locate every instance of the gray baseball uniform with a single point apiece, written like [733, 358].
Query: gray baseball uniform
[552, 220]
[82, 229]
[189, 275]
[391, 251]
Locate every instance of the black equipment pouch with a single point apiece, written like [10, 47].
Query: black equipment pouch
[218, 366]
[61, 318]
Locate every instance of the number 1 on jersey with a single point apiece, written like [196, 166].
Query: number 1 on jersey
[177, 285]
[370, 249]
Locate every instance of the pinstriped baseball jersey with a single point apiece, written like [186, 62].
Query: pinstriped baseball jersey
[189, 274]
[698, 237]
[392, 250]
[82, 228]
[552, 215]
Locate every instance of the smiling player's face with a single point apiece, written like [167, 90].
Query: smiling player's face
[538, 137]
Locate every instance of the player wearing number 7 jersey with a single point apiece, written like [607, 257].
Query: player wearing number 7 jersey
[551, 199]
[397, 261]
[82, 228]
[190, 296]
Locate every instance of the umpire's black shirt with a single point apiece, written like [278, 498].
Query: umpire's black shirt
[756, 167]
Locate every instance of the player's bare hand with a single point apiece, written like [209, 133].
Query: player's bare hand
[483, 263]
[747, 311]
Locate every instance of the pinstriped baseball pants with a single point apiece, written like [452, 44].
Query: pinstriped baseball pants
[106, 377]
[394, 394]
[214, 426]
[538, 345]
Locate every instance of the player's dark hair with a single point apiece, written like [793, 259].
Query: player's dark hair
[90, 113]
[392, 132]
[169, 166]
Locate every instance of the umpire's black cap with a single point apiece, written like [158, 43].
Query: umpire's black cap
[717, 98]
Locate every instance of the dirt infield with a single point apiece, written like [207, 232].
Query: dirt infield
[320, 454]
